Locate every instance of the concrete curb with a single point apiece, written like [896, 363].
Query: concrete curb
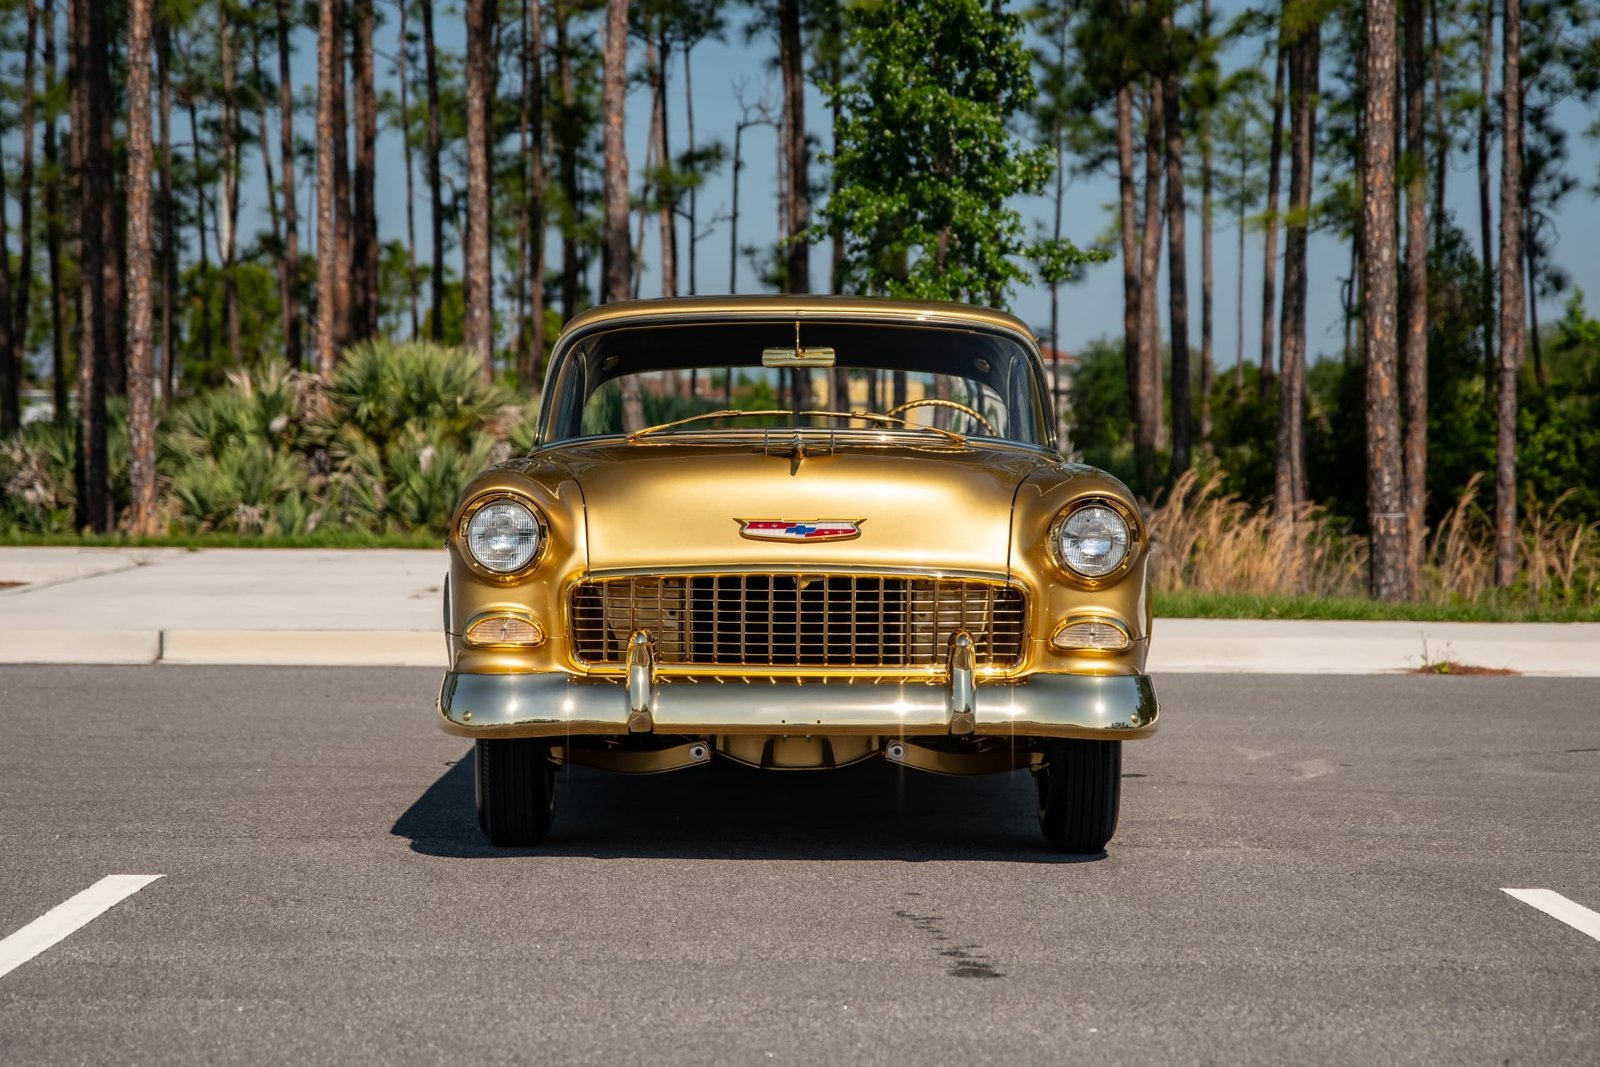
[80, 646]
[1250, 646]
[309, 648]
[274, 648]
[1181, 646]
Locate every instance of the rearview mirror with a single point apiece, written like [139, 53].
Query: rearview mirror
[797, 357]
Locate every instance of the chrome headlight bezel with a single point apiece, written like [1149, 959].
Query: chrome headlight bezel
[464, 535]
[1117, 508]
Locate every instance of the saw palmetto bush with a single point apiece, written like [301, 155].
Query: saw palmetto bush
[36, 479]
[408, 425]
[37, 487]
[383, 448]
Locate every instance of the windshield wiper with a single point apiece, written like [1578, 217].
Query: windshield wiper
[736, 413]
[873, 416]
[725, 413]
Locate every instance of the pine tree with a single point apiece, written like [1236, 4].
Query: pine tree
[1380, 278]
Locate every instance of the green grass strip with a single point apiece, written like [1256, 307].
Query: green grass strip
[1186, 604]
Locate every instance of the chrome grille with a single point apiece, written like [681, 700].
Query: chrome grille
[756, 621]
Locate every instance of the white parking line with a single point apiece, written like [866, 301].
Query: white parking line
[70, 915]
[1559, 907]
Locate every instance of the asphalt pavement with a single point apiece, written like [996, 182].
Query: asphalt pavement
[1308, 870]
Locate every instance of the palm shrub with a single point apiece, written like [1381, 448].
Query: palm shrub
[251, 455]
[384, 390]
[36, 479]
[384, 447]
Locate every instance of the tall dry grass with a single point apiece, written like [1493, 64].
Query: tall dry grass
[1208, 541]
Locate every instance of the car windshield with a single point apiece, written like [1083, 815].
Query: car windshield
[721, 377]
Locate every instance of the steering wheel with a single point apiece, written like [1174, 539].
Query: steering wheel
[940, 402]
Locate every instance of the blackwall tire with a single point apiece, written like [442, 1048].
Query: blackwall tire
[516, 788]
[1080, 788]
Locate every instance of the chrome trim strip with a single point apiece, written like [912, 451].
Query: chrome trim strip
[556, 705]
[602, 574]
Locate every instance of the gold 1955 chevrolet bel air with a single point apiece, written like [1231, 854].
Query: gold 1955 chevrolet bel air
[797, 532]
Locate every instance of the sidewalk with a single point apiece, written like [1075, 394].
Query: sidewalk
[381, 607]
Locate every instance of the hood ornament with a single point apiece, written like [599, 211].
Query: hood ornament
[800, 530]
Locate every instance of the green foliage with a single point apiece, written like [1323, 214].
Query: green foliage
[1060, 260]
[273, 453]
[1244, 434]
[1099, 423]
[36, 479]
[924, 163]
[385, 390]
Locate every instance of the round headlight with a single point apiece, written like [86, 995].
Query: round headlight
[503, 536]
[1094, 541]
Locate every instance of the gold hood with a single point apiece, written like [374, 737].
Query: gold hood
[930, 507]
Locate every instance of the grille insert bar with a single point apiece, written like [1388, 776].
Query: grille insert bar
[756, 621]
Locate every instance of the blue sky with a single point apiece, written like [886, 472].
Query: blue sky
[1090, 310]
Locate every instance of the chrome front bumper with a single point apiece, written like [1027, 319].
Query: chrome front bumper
[556, 705]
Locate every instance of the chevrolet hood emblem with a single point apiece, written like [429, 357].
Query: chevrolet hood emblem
[797, 530]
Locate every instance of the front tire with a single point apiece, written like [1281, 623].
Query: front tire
[516, 787]
[1080, 788]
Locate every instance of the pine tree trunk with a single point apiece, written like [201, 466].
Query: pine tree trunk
[91, 96]
[1416, 335]
[264, 129]
[1511, 299]
[733, 212]
[478, 329]
[791, 58]
[531, 349]
[169, 250]
[23, 295]
[536, 181]
[619, 254]
[655, 63]
[1530, 249]
[1149, 270]
[10, 346]
[694, 163]
[1441, 135]
[1207, 351]
[1269, 256]
[836, 234]
[1535, 345]
[403, 75]
[1379, 317]
[364, 225]
[141, 358]
[289, 266]
[435, 177]
[1133, 355]
[1177, 273]
[113, 263]
[200, 232]
[567, 148]
[228, 188]
[1238, 326]
[1289, 483]
[1057, 402]
[53, 236]
[1485, 227]
[330, 69]
[342, 219]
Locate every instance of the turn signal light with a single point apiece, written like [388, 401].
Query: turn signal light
[1091, 635]
[505, 630]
